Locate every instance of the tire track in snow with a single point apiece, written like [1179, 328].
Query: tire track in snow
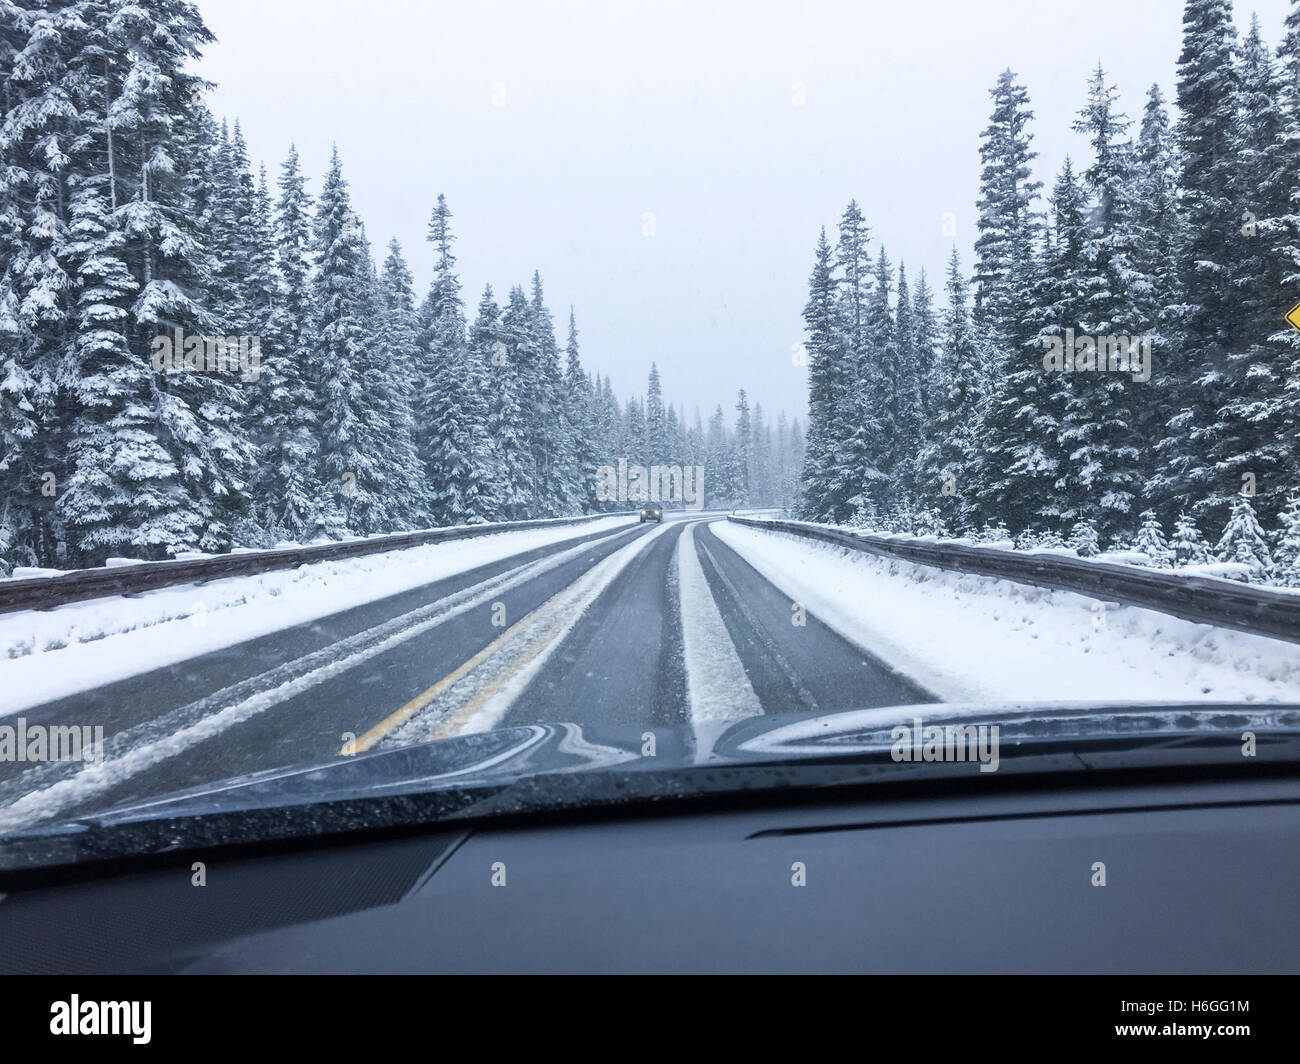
[717, 684]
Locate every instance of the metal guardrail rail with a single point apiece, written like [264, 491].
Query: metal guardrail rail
[1205, 599]
[78, 585]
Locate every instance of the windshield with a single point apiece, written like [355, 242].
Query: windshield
[372, 382]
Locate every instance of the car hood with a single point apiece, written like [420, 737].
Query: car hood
[543, 767]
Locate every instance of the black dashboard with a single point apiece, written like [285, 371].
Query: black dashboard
[1170, 876]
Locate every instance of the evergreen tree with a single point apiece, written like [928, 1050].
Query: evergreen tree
[656, 426]
[1151, 541]
[1243, 541]
[925, 347]
[742, 452]
[1248, 430]
[1208, 137]
[510, 469]
[948, 463]
[552, 440]
[283, 414]
[855, 427]
[1097, 425]
[1188, 544]
[452, 409]
[1006, 216]
[1084, 540]
[1286, 555]
[1283, 233]
[395, 379]
[760, 460]
[579, 399]
[350, 472]
[821, 499]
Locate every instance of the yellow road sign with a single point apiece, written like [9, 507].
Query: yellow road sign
[1293, 317]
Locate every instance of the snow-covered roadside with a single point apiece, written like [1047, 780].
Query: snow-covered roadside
[51, 654]
[976, 639]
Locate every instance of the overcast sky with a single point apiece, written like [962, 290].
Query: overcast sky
[553, 128]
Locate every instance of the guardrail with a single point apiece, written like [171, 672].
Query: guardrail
[78, 585]
[1204, 599]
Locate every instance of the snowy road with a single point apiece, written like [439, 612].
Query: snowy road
[645, 625]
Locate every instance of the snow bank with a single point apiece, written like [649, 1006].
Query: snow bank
[973, 638]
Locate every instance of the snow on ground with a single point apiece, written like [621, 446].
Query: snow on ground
[717, 685]
[977, 639]
[49, 654]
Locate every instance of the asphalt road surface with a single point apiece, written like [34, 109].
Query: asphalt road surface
[652, 624]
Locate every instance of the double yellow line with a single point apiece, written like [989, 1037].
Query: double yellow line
[422, 700]
[452, 726]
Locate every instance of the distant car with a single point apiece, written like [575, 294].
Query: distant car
[651, 513]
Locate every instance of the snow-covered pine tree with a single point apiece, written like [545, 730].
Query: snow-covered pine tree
[948, 462]
[742, 452]
[782, 474]
[719, 464]
[904, 399]
[398, 333]
[259, 314]
[41, 58]
[516, 331]
[1156, 219]
[1151, 541]
[510, 468]
[1249, 430]
[579, 411]
[284, 408]
[342, 288]
[855, 436]
[1209, 141]
[1158, 225]
[1188, 544]
[675, 443]
[825, 353]
[1025, 476]
[884, 389]
[606, 433]
[1244, 542]
[553, 444]
[656, 439]
[1286, 552]
[1105, 458]
[1083, 539]
[452, 405]
[925, 347]
[760, 460]
[1284, 232]
[1007, 220]
[197, 497]
[394, 481]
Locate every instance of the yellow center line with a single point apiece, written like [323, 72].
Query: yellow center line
[420, 701]
[452, 726]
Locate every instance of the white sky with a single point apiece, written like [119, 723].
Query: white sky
[686, 110]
